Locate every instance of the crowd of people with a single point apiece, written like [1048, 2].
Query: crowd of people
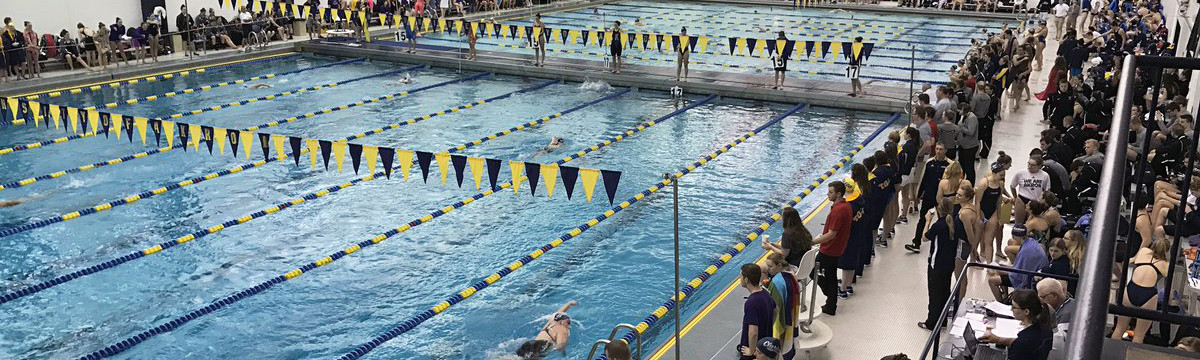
[928, 172]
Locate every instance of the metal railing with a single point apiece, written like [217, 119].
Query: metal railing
[592, 353]
[1094, 286]
[953, 301]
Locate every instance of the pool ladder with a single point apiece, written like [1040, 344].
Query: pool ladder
[636, 334]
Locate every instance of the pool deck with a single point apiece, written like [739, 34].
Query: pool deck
[890, 7]
[755, 87]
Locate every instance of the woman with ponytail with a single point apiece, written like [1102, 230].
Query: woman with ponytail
[1036, 340]
[944, 232]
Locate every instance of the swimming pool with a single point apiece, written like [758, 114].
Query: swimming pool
[935, 42]
[618, 269]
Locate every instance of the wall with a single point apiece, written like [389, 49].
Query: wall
[51, 16]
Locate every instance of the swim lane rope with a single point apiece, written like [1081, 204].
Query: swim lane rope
[257, 289]
[105, 265]
[199, 179]
[169, 147]
[724, 258]
[94, 132]
[440, 307]
[151, 78]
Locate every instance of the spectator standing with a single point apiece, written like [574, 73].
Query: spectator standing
[779, 61]
[14, 50]
[945, 232]
[990, 195]
[833, 243]
[758, 313]
[185, 24]
[1060, 15]
[115, 33]
[968, 140]
[1028, 184]
[927, 191]
[33, 52]
[683, 55]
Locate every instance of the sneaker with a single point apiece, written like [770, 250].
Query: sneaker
[843, 295]
[902, 219]
[912, 248]
[922, 325]
[831, 311]
[850, 290]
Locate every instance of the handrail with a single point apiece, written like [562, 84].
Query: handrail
[592, 353]
[952, 302]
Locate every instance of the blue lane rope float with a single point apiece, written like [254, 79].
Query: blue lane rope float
[93, 132]
[257, 289]
[152, 78]
[729, 254]
[160, 96]
[412, 322]
[199, 179]
[112, 263]
[169, 147]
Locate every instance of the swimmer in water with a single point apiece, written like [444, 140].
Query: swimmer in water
[554, 335]
[638, 22]
[259, 86]
[406, 80]
[555, 143]
[13, 202]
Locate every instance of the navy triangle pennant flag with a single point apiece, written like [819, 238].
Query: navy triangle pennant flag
[569, 175]
[847, 51]
[45, 111]
[83, 119]
[866, 51]
[387, 155]
[770, 47]
[264, 141]
[808, 47]
[750, 43]
[789, 48]
[206, 132]
[62, 115]
[221, 3]
[127, 122]
[493, 169]
[825, 48]
[460, 165]
[732, 46]
[585, 36]
[234, 140]
[675, 42]
[355, 156]
[156, 125]
[695, 40]
[496, 29]
[183, 135]
[233, 4]
[326, 148]
[563, 35]
[611, 179]
[533, 171]
[105, 123]
[295, 143]
[23, 111]
[512, 32]
[423, 159]
[5, 113]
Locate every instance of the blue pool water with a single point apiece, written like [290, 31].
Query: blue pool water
[618, 270]
[928, 44]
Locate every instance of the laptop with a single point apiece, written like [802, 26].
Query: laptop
[980, 352]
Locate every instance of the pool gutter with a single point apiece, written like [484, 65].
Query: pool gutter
[746, 86]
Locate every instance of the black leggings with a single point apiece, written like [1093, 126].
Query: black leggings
[827, 279]
[939, 293]
[926, 205]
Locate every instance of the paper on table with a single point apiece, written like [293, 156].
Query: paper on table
[1007, 328]
[999, 308]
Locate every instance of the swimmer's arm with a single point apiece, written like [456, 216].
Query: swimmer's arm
[567, 306]
[13, 202]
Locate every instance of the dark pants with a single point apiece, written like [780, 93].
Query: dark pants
[939, 293]
[827, 272]
[926, 205]
[966, 157]
[952, 154]
[985, 136]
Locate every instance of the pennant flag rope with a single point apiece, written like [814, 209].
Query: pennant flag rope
[474, 288]
[246, 134]
[157, 77]
[217, 305]
[192, 181]
[741, 245]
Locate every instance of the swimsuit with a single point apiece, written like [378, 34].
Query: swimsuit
[989, 202]
[614, 46]
[535, 349]
[1140, 295]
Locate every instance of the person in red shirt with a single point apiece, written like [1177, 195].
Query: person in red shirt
[833, 243]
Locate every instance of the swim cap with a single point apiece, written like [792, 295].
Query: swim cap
[1018, 230]
[852, 189]
[997, 166]
[769, 347]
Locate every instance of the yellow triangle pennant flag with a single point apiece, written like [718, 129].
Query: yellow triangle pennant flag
[624, 38]
[277, 143]
[652, 40]
[118, 123]
[441, 27]
[458, 25]
[703, 44]
[594, 38]
[443, 160]
[856, 50]
[94, 121]
[246, 141]
[476, 170]
[54, 113]
[405, 157]
[74, 115]
[169, 133]
[550, 177]
[14, 103]
[836, 49]
[141, 122]
[314, 148]
[219, 134]
[383, 20]
[339, 153]
[758, 48]
[426, 22]
[518, 170]
[194, 134]
[370, 154]
[574, 34]
[589, 177]
[608, 38]
[741, 46]
[555, 35]
[503, 30]
[637, 41]
[36, 108]
[780, 44]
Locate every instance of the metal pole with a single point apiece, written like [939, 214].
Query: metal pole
[1151, 126]
[912, 80]
[1185, 192]
[1088, 323]
[678, 301]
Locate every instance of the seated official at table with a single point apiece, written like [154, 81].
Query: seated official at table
[1054, 294]
[1036, 340]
